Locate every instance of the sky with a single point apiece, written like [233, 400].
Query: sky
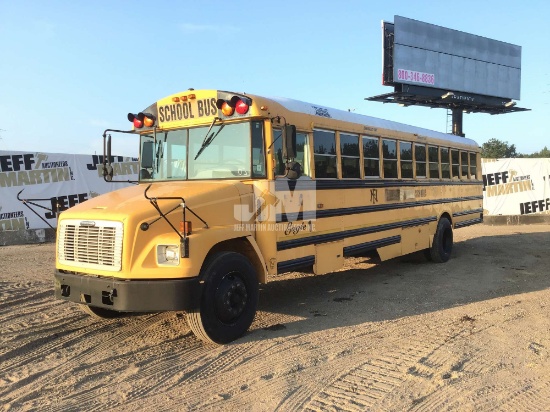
[70, 69]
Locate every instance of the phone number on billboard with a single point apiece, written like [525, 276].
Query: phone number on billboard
[416, 77]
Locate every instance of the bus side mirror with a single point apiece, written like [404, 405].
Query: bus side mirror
[293, 170]
[147, 155]
[107, 168]
[289, 141]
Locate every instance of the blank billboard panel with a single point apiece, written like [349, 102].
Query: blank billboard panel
[433, 56]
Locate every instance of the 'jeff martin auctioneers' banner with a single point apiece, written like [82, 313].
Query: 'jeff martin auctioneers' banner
[61, 180]
[516, 186]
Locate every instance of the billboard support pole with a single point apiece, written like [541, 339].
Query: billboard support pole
[457, 122]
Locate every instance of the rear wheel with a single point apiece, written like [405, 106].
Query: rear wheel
[442, 244]
[101, 313]
[229, 299]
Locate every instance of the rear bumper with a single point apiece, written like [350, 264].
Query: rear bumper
[129, 295]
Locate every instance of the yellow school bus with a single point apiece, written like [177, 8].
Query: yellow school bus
[235, 188]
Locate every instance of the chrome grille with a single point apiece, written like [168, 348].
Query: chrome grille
[88, 244]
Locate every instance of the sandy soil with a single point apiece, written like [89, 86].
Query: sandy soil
[469, 335]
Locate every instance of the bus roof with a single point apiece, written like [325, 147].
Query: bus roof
[318, 110]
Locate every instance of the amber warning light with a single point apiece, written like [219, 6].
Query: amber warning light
[142, 119]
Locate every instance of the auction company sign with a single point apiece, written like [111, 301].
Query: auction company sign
[59, 181]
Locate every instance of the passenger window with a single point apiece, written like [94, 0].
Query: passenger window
[371, 157]
[349, 151]
[389, 153]
[464, 164]
[445, 164]
[405, 149]
[324, 142]
[420, 159]
[473, 165]
[455, 162]
[302, 152]
[433, 159]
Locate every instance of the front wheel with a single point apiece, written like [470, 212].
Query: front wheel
[229, 299]
[442, 244]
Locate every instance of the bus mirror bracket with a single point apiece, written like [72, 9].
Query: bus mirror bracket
[184, 240]
[108, 171]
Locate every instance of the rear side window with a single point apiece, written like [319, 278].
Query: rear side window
[420, 159]
[433, 155]
[473, 165]
[349, 150]
[405, 149]
[371, 156]
[389, 152]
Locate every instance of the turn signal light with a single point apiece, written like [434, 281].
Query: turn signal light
[186, 227]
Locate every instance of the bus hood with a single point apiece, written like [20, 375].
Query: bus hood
[214, 201]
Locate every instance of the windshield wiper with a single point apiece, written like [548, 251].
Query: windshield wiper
[209, 137]
[160, 151]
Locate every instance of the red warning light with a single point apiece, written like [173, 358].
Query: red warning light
[241, 107]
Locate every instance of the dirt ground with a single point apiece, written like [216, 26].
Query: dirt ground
[471, 335]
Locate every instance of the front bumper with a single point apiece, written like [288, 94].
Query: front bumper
[129, 295]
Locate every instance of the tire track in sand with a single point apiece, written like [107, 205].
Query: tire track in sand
[28, 388]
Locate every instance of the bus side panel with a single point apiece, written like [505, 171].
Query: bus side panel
[329, 257]
[389, 252]
[414, 239]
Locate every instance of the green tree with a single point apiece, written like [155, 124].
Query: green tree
[543, 153]
[497, 149]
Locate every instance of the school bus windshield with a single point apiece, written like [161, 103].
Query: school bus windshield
[224, 151]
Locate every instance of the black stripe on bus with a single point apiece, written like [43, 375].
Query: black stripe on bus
[282, 185]
[370, 246]
[288, 265]
[468, 223]
[310, 214]
[467, 212]
[330, 237]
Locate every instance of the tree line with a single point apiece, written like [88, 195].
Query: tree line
[497, 149]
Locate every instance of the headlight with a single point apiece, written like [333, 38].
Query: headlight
[168, 255]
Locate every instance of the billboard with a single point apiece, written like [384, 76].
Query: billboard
[423, 54]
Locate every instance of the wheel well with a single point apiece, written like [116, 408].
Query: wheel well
[446, 216]
[240, 245]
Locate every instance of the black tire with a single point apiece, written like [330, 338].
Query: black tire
[442, 244]
[100, 313]
[428, 254]
[229, 299]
